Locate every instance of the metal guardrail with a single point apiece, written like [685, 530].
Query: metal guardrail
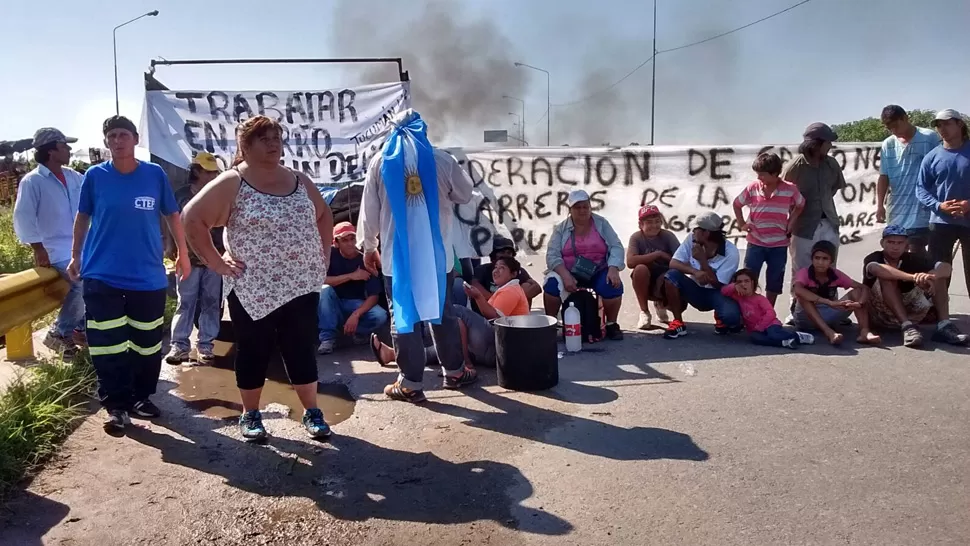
[24, 298]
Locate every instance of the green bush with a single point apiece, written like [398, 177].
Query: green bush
[14, 257]
[37, 411]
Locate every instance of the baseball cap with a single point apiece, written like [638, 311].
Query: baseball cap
[710, 221]
[343, 229]
[648, 210]
[207, 161]
[577, 196]
[893, 230]
[47, 135]
[820, 131]
[502, 243]
[942, 115]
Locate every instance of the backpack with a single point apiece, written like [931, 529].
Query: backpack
[590, 313]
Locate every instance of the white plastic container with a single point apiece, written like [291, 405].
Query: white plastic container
[573, 329]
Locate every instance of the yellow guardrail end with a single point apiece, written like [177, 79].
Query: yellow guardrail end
[29, 295]
[26, 280]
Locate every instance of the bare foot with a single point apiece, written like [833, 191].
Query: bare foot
[835, 338]
[868, 338]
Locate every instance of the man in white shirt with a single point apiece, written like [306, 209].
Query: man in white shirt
[43, 217]
[703, 263]
[375, 219]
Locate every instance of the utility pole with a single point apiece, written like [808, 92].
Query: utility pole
[653, 84]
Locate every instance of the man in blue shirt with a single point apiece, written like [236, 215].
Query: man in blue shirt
[349, 299]
[43, 217]
[117, 250]
[944, 188]
[901, 156]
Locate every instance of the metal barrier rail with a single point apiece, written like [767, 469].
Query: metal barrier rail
[24, 298]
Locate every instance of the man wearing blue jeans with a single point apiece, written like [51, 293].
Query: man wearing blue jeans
[43, 217]
[703, 263]
[348, 301]
[203, 287]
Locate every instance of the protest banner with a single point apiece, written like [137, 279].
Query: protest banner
[329, 135]
[521, 192]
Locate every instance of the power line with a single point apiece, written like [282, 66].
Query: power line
[678, 48]
[617, 82]
[721, 35]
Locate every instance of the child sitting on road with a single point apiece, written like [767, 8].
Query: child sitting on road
[817, 297]
[759, 315]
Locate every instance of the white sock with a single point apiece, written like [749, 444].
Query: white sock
[906, 324]
[942, 324]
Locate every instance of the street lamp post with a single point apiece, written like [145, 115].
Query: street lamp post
[523, 111]
[548, 98]
[114, 44]
[520, 123]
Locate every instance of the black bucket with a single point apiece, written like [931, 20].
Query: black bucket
[526, 354]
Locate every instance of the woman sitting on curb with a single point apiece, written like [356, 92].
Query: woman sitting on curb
[817, 300]
[585, 252]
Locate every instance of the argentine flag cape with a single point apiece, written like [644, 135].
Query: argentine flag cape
[418, 270]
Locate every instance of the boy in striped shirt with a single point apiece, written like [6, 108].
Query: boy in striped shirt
[774, 206]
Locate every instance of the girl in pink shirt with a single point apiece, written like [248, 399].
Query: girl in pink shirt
[759, 315]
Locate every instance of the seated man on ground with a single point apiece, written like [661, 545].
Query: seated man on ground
[477, 332]
[648, 256]
[503, 247]
[818, 306]
[348, 302]
[584, 252]
[902, 285]
[703, 263]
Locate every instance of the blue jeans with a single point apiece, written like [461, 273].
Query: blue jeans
[773, 336]
[598, 283]
[202, 288]
[706, 299]
[775, 258]
[332, 314]
[71, 316]
[458, 295]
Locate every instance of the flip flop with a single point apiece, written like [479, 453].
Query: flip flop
[376, 351]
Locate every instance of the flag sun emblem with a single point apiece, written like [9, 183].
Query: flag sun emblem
[413, 187]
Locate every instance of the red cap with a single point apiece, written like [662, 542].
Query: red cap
[648, 210]
[343, 228]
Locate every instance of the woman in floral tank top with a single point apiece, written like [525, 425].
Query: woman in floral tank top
[278, 229]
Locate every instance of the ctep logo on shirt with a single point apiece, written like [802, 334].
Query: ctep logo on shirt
[145, 203]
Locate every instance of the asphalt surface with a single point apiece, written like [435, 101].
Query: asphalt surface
[701, 440]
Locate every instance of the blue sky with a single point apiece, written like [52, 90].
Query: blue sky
[829, 60]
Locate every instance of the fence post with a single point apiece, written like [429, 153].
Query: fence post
[20, 343]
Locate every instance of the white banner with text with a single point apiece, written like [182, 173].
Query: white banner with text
[329, 135]
[521, 192]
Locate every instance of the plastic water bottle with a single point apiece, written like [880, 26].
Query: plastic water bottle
[572, 328]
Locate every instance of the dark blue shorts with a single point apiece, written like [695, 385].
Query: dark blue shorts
[598, 283]
[775, 258]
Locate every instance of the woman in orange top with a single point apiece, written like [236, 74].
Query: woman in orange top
[477, 333]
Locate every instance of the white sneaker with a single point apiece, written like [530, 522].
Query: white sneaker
[790, 343]
[661, 312]
[645, 321]
[805, 338]
[325, 348]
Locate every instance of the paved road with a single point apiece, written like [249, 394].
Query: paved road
[696, 441]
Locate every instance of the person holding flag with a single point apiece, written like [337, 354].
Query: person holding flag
[408, 198]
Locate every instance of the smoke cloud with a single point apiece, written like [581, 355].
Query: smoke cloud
[460, 65]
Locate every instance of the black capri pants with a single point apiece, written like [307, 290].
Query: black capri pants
[291, 328]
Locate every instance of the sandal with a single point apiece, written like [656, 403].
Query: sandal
[376, 350]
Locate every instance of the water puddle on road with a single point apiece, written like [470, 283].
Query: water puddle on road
[211, 390]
